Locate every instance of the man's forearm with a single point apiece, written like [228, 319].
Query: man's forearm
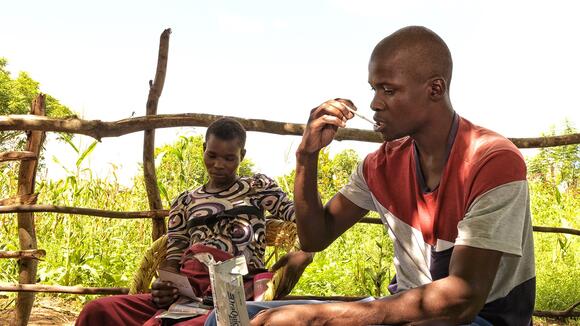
[446, 301]
[309, 209]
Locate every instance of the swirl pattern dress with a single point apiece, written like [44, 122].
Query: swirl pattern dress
[232, 220]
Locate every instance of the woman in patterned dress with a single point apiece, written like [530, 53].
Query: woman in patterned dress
[225, 217]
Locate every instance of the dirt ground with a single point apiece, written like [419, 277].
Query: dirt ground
[45, 312]
[53, 311]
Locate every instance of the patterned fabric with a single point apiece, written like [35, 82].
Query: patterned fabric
[482, 201]
[231, 220]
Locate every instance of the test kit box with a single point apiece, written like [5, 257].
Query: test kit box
[227, 285]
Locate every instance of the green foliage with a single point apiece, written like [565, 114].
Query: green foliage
[16, 96]
[555, 193]
[558, 166]
[81, 250]
[360, 261]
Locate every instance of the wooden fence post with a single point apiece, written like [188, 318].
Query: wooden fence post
[149, 174]
[26, 229]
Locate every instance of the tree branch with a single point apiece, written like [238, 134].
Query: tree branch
[99, 129]
[83, 211]
[17, 156]
[60, 289]
[30, 254]
[149, 174]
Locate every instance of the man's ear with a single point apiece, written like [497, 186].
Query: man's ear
[242, 154]
[437, 88]
[204, 146]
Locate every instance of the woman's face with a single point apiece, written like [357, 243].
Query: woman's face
[222, 159]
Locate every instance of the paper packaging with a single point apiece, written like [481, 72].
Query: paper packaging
[228, 289]
[180, 281]
[261, 284]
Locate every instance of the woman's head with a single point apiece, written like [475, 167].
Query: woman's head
[223, 150]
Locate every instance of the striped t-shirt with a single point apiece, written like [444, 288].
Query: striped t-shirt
[482, 201]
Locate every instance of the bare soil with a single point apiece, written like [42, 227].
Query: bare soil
[46, 311]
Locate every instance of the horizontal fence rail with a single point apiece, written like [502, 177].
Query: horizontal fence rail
[60, 289]
[99, 129]
[164, 213]
[19, 254]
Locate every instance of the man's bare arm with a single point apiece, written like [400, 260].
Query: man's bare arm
[453, 300]
[318, 226]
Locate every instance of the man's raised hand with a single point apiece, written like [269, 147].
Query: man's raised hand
[323, 123]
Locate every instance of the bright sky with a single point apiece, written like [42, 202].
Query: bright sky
[516, 63]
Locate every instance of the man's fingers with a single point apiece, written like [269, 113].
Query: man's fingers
[280, 263]
[259, 319]
[336, 107]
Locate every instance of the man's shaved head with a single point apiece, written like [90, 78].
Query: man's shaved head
[423, 53]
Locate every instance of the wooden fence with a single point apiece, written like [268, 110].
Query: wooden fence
[36, 124]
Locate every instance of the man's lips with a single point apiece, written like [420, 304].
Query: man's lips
[379, 126]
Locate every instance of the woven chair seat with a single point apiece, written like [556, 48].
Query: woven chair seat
[279, 234]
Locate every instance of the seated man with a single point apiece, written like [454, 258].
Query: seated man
[452, 195]
[224, 217]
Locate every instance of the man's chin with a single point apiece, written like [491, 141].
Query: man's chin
[389, 138]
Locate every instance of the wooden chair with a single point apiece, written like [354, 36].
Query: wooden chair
[279, 234]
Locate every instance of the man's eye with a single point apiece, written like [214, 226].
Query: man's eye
[388, 91]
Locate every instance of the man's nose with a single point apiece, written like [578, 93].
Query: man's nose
[377, 104]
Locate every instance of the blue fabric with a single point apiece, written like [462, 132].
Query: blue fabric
[255, 307]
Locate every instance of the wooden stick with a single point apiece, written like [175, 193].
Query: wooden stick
[548, 229]
[60, 289]
[19, 200]
[99, 129]
[17, 156]
[84, 211]
[545, 229]
[559, 314]
[28, 254]
[26, 228]
[149, 174]
[161, 213]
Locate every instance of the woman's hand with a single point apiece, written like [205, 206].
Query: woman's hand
[295, 263]
[163, 293]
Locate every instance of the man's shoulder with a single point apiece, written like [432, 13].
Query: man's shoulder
[476, 143]
[401, 147]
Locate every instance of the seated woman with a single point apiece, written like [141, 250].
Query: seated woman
[224, 217]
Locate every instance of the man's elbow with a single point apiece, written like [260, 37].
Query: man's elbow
[457, 307]
[311, 247]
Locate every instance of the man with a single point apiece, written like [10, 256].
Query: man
[453, 197]
[223, 217]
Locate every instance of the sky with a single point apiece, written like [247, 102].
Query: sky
[516, 64]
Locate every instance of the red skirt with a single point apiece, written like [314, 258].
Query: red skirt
[139, 309]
